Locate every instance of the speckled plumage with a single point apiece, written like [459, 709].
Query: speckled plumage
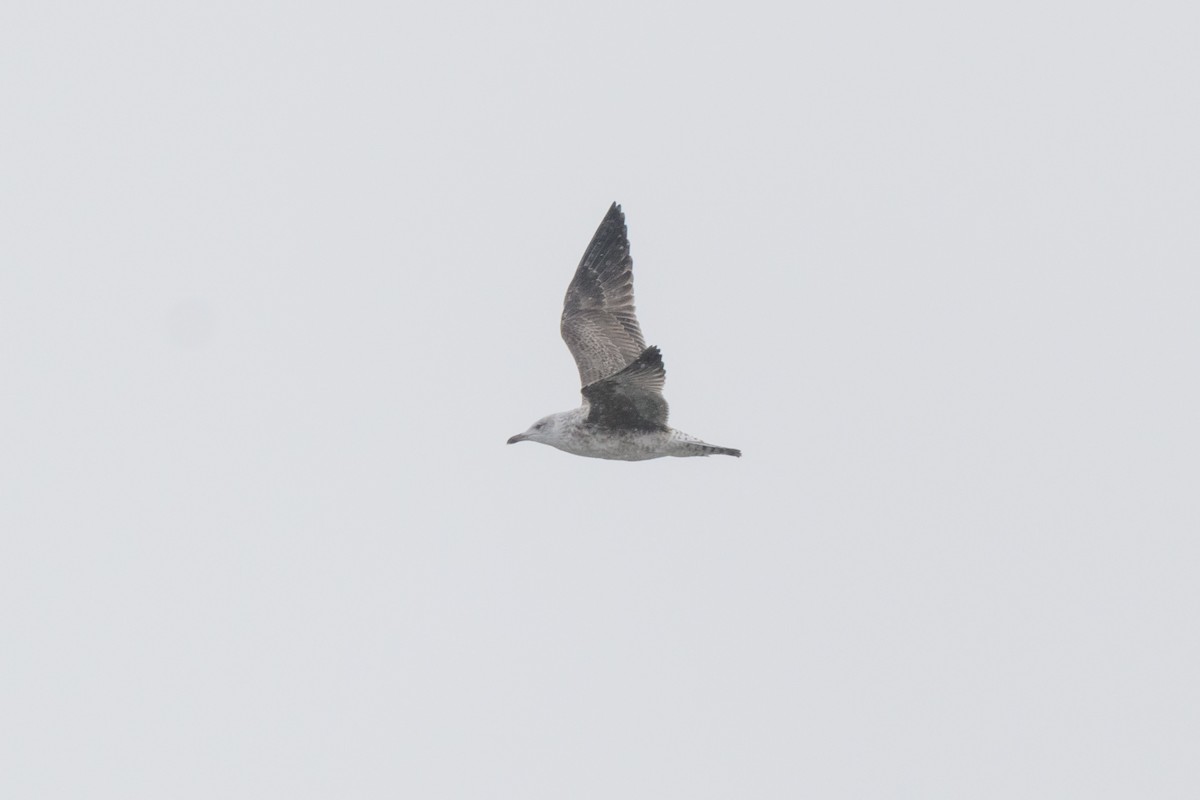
[624, 415]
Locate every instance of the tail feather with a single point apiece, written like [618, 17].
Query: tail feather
[683, 444]
[706, 449]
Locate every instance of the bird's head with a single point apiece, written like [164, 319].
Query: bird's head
[546, 430]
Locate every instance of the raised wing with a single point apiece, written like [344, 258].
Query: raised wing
[599, 323]
[632, 399]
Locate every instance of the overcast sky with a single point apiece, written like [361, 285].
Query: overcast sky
[278, 280]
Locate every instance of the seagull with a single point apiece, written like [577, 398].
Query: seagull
[624, 415]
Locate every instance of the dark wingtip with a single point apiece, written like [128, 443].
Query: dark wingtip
[651, 356]
[611, 234]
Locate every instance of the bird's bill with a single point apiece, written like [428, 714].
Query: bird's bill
[520, 437]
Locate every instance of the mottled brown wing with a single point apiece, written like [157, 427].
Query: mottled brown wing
[599, 323]
[632, 399]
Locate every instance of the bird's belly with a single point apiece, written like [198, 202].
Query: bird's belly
[631, 446]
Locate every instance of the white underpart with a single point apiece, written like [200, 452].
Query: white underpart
[569, 431]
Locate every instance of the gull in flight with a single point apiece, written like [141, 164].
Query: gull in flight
[624, 415]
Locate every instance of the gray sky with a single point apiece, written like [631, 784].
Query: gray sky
[278, 282]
